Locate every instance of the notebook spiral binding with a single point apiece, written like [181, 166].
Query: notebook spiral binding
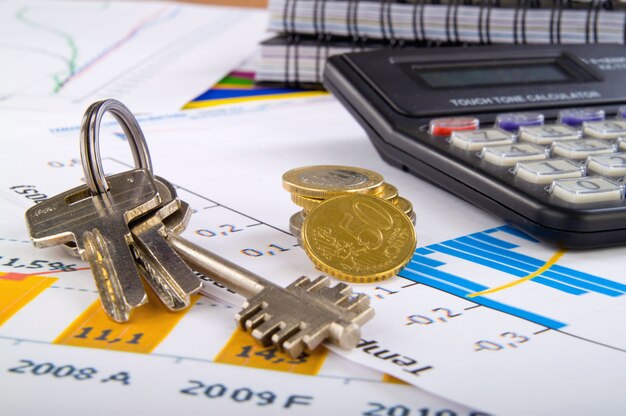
[358, 39]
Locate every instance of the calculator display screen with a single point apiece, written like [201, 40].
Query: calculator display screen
[492, 74]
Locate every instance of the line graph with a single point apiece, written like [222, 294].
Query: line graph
[162, 14]
[68, 54]
[70, 61]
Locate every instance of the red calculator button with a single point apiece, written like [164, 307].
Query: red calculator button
[445, 126]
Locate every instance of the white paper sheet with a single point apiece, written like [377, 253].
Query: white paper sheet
[150, 55]
[183, 371]
[535, 348]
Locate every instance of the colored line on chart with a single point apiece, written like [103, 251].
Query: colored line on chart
[22, 276]
[539, 271]
[239, 87]
[462, 287]
[487, 249]
[138, 28]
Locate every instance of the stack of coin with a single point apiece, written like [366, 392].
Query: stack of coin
[353, 224]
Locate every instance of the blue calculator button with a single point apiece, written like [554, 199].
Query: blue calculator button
[577, 116]
[513, 121]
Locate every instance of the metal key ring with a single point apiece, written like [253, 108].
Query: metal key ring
[90, 142]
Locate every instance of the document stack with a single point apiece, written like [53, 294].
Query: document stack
[309, 31]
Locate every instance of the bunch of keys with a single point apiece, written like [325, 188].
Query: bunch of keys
[129, 224]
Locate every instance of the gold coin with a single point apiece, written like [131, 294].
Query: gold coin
[388, 192]
[358, 238]
[404, 205]
[325, 181]
[413, 217]
[304, 202]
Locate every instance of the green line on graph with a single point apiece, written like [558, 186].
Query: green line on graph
[60, 77]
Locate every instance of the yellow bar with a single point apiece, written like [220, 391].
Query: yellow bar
[243, 350]
[391, 379]
[213, 103]
[17, 289]
[149, 325]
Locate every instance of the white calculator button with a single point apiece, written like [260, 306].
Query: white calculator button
[607, 129]
[545, 171]
[588, 189]
[609, 165]
[509, 155]
[547, 133]
[580, 149]
[477, 139]
[621, 143]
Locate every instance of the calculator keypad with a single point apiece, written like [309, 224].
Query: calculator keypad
[546, 171]
[477, 139]
[607, 129]
[580, 149]
[613, 165]
[546, 134]
[579, 159]
[585, 190]
[509, 155]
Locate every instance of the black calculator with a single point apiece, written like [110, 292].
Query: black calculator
[535, 134]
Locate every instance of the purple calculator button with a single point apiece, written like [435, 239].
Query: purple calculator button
[576, 116]
[513, 121]
[621, 111]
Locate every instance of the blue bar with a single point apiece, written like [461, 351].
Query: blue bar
[564, 272]
[589, 277]
[529, 316]
[450, 278]
[523, 271]
[514, 231]
[475, 259]
[426, 261]
[423, 250]
[497, 254]
[559, 286]
[493, 241]
[235, 93]
[425, 279]
[581, 284]
[507, 254]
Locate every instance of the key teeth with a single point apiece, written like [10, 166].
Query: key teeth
[285, 333]
[266, 330]
[294, 345]
[251, 316]
[305, 283]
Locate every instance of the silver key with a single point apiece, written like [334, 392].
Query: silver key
[303, 315]
[95, 217]
[98, 225]
[168, 275]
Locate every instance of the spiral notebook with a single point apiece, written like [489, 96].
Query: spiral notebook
[311, 30]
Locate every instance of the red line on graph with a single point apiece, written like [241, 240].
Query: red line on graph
[157, 14]
[22, 276]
